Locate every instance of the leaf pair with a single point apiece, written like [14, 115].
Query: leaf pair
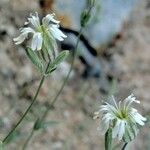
[33, 56]
[60, 58]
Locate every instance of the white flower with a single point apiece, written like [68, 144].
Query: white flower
[122, 118]
[48, 28]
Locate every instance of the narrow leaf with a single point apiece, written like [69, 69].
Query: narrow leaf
[61, 57]
[34, 58]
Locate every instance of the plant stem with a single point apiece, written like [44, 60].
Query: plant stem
[28, 109]
[125, 145]
[28, 139]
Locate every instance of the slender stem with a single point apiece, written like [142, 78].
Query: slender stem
[124, 146]
[28, 139]
[28, 109]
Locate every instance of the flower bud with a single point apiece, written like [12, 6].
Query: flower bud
[85, 16]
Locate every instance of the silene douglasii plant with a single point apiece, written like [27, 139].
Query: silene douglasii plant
[43, 53]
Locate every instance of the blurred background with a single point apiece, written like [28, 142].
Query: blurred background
[114, 58]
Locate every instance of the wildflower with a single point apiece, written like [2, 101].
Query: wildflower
[47, 30]
[43, 46]
[122, 118]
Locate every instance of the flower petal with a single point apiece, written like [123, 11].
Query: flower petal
[58, 34]
[40, 41]
[23, 35]
[27, 30]
[20, 38]
[49, 18]
[34, 20]
[116, 129]
[129, 100]
[36, 41]
[103, 128]
[121, 130]
[138, 118]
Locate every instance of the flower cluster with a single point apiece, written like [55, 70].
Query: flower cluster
[122, 118]
[49, 26]
[43, 46]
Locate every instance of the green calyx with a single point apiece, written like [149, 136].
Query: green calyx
[122, 114]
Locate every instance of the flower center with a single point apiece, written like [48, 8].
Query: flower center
[122, 114]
